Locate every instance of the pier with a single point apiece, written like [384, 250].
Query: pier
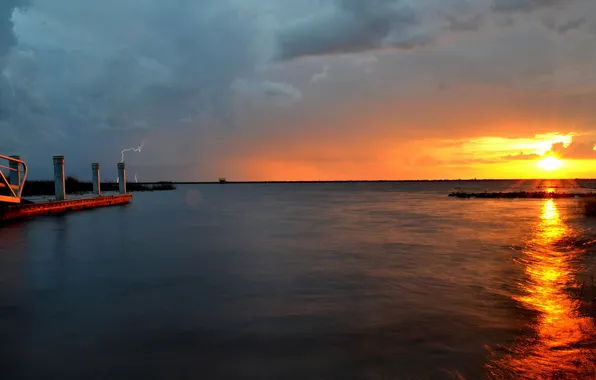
[23, 211]
[14, 207]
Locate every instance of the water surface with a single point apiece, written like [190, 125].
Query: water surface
[301, 281]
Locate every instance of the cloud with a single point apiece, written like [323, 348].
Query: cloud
[471, 161]
[194, 79]
[571, 25]
[320, 75]
[8, 93]
[510, 6]
[7, 36]
[155, 64]
[575, 150]
[24, 107]
[465, 24]
[282, 94]
[427, 161]
[560, 16]
[521, 156]
[366, 61]
[352, 26]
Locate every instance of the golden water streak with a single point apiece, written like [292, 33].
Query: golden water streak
[555, 349]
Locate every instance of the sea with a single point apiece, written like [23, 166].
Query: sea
[391, 280]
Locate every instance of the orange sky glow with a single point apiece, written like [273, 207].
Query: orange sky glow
[475, 131]
[482, 157]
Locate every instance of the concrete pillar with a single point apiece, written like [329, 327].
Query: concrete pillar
[96, 179]
[122, 177]
[15, 174]
[59, 185]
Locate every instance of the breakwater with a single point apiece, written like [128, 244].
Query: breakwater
[521, 194]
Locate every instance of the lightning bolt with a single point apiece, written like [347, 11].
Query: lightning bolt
[137, 149]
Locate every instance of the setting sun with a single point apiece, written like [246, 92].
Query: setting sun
[550, 163]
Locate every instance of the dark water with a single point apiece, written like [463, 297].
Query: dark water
[319, 281]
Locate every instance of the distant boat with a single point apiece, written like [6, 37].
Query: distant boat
[222, 180]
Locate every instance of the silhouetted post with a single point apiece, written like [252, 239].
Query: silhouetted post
[59, 185]
[96, 179]
[122, 177]
[15, 173]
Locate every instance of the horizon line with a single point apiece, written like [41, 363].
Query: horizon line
[371, 181]
[340, 181]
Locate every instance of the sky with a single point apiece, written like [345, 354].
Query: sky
[300, 89]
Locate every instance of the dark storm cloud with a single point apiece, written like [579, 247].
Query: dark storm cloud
[560, 16]
[7, 37]
[127, 66]
[465, 24]
[353, 26]
[567, 26]
[112, 73]
[7, 41]
[278, 93]
[348, 26]
[194, 58]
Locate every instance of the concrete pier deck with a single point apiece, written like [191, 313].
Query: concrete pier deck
[21, 211]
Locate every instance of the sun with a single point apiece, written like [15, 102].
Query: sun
[550, 163]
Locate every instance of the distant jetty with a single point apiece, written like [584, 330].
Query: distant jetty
[521, 194]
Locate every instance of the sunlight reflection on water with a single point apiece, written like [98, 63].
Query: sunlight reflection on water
[556, 347]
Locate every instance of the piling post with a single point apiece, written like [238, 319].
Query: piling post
[122, 177]
[15, 174]
[59, 185]
[96, 179]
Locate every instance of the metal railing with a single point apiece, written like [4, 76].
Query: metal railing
[15, 182]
